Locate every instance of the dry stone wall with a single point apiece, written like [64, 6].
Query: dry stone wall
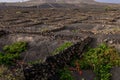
[48, 69]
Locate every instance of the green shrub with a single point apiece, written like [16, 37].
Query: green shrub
[62, 47]
[12, 53]
[17, 47]
[8, 59]
[65, 74]
[108, 8]
[101, 60]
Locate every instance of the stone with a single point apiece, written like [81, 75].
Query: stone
[53, 63]
[111, 42]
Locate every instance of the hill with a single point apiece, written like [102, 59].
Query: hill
[63, 3]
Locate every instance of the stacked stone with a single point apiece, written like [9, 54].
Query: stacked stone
[2, 33]
[48, 69]
[67, 37]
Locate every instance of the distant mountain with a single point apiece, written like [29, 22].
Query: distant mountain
[62, 1]
[53, 3]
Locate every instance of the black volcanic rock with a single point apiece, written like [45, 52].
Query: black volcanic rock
[49, 69]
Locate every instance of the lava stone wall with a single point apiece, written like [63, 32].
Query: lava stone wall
[2, 33]
[48, 69]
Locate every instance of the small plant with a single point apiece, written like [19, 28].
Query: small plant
[8, 59]
[108, 8]
[75, 31]
[62, 47]
[101, 60]
[76, 67]
[12, 53]
[65, 74]
[17, 47]
[35, 62]
[82, 63]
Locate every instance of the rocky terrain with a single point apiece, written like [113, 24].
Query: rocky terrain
[57, 3]
[45, 27]
[48, 2]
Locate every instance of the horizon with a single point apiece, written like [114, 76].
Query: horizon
[108, 1]
[13, 0]
[104, 1]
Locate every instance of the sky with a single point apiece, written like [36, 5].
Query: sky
[12, 0]
[109, 1]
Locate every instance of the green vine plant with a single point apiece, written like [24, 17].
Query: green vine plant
[100, 59]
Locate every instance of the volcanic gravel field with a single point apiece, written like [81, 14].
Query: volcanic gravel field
[45, 29]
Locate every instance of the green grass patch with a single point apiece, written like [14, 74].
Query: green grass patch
[62, 47]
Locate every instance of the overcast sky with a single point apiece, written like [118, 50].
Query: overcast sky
[111, 1]
[12, 0]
